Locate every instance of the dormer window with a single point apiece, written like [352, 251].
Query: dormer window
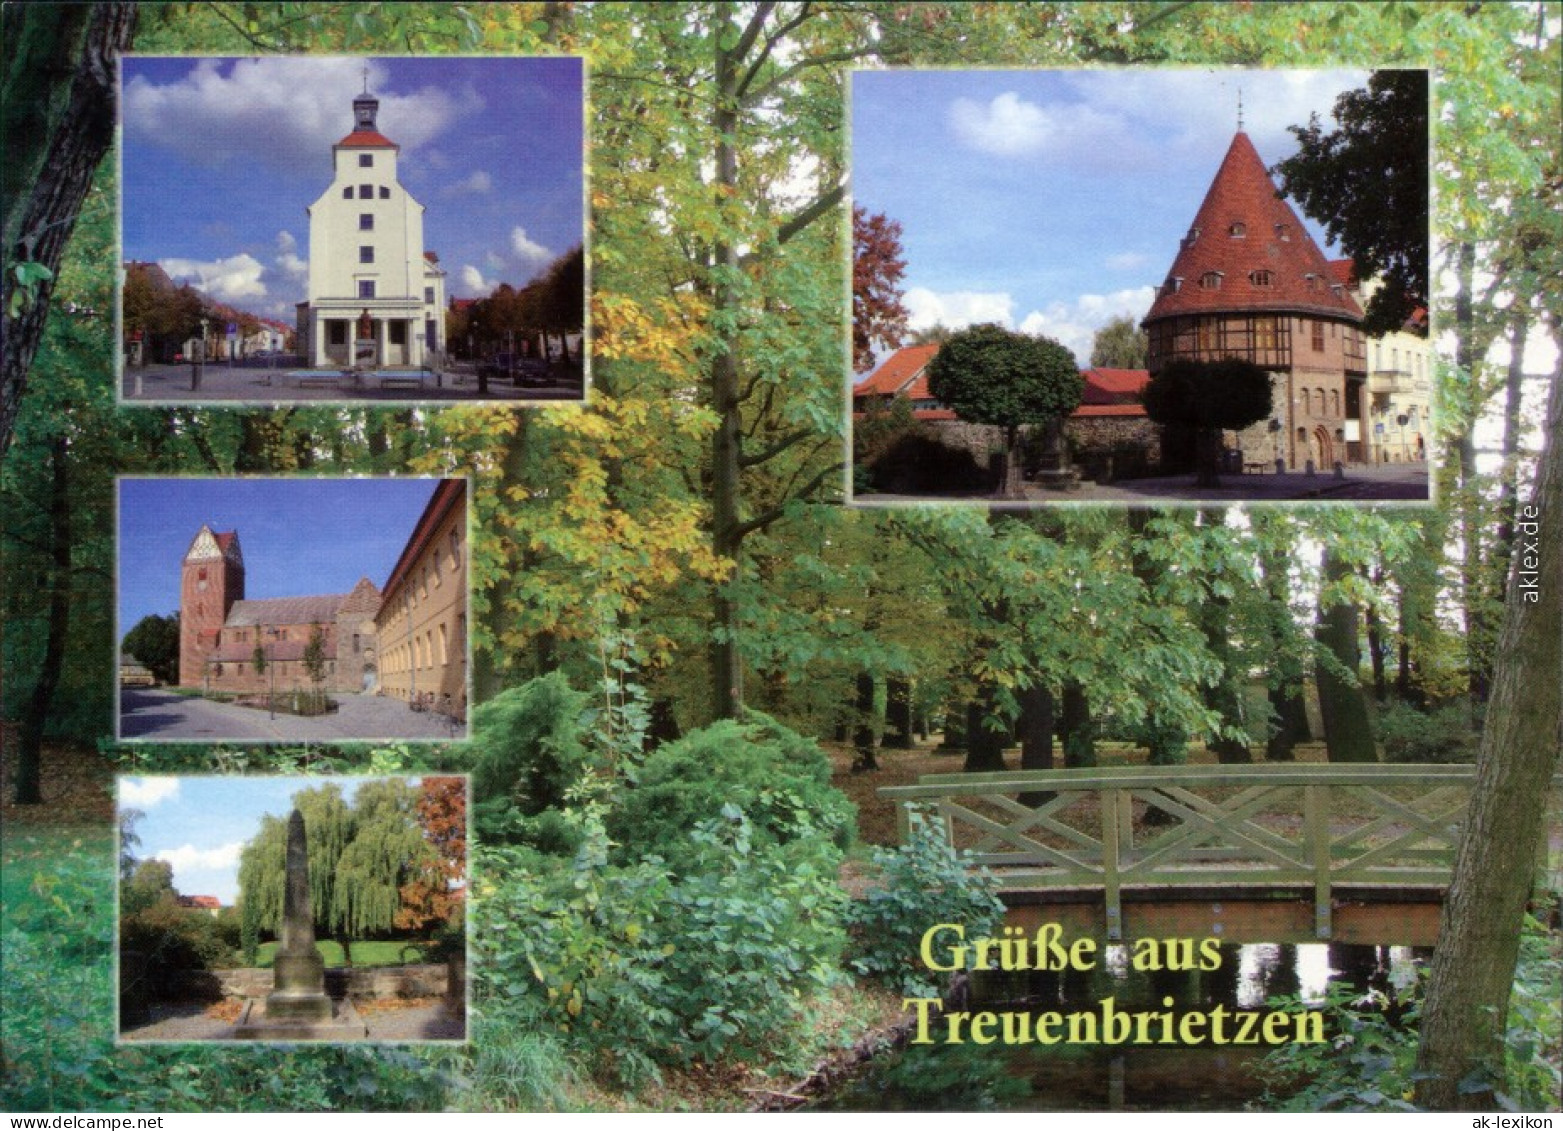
[1173, 285]
[1283, 232]
[1262, 278]
[1210, 280]
[1337, 290]
[1238, 231]
[1192, 236]
[1310, 281]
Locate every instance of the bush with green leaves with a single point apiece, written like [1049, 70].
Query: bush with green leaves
[635, 967]
[529, 747]
[918, 885]
[1442, 735]
[778, 778]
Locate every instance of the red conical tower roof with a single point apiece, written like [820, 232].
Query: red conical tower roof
[1247, 252]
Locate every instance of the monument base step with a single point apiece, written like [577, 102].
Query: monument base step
[345, 1024]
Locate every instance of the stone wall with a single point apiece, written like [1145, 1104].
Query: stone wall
[422, 980]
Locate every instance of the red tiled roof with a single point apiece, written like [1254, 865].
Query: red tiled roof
[1113, 386]
[364, 598]
[367, 139]
[1086, 410]
[1344, 272]
[224, 540]
[447, 494]
[285, 610]
[206, 902]
[1242, 198]
[897, 373]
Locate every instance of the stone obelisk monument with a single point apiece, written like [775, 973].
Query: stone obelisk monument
[299, 973]
[298, 1009]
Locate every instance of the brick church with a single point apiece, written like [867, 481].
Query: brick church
[1248, 281]
[220, 629]
[406, 641]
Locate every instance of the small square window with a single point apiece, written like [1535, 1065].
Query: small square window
[366, 288]
[366, 254]
[428, 295]
[365, 160]
[366, 221]
[385, 193]
[347, 193]
[365, 192]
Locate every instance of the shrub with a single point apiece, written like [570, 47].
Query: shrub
[778, 778]
[528, 748]
[1442, 735]
[920, 883]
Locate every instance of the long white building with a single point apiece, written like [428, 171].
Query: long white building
[376, 297]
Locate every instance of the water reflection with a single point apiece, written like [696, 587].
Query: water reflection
[1061, 1077]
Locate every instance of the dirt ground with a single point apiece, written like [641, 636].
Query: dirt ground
[77, 784]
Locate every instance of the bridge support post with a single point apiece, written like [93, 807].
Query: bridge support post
[1316, 822]
[1113, 808]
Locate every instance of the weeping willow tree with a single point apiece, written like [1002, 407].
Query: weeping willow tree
[261, 881]
[387, 850]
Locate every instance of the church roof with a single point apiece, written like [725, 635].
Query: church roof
[366, 139]
[285, 610]
[364, 598]
[1250, 244]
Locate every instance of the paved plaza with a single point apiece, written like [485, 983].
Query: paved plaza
[162, 715]
[278, 381]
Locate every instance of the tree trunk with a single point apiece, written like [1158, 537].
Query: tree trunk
[863, 726]
[898, 714]
[1036, 728]
[35, 711]
[1348, 733]
[1011, 483]
[59, 150]
[954, 737]
[984, 743]
[1467, 1004]
[1225, 695]
[1208, 445]
[1376, 646]
[1077, 732]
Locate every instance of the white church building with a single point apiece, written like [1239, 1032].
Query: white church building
[376, 297]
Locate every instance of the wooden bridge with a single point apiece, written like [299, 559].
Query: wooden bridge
[1274, 852]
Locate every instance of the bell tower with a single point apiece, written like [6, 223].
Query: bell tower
[211, 580]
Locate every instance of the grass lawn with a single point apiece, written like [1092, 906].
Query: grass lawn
[377, 952]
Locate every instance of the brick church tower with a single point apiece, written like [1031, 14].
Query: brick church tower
[1248, 281]
[211, 580]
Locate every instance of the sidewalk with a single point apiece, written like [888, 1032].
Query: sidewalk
[254, 384]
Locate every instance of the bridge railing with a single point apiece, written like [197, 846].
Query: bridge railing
[1270, 826]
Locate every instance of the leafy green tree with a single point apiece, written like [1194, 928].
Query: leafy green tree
[315, 655]
[1208, 396]
[1367, 183]
[1120, 344]
[155, 642]
[990, 375]
[151, 882]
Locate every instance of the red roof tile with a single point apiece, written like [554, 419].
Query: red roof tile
[1245, 227]
[367, 139]
[897, 374]
[1113, 386]
[1087, 410]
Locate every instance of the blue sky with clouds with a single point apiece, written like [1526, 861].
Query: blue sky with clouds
[222, 156]
[1053, 201]
[300, 537]
[199, 825]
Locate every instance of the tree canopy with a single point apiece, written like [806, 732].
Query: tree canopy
[878, 315]
[1367, 182]
[1208, 396]
[1120, 344]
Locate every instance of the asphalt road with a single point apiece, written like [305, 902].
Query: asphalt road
[157, 715]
